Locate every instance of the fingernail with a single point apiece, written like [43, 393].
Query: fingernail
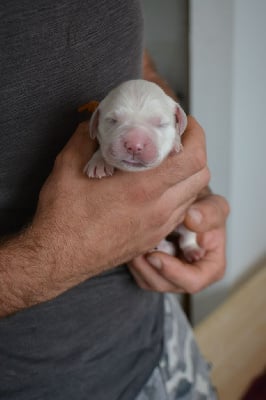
[154, 261]
[195, 215]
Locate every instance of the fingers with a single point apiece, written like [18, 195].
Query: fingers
[161, 272]
[191, 278]
[178, 198]
[207, 213]
[148, 278]
[79, 149]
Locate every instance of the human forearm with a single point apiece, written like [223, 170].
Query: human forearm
[23, 267]
[30, 270]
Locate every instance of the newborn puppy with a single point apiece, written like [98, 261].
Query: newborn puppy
[137, 126]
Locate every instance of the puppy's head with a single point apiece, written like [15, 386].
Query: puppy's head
[137, 125]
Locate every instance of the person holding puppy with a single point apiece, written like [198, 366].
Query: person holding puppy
[75, 320]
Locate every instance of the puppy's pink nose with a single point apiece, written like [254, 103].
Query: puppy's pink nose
[134, 146]
[138, 143]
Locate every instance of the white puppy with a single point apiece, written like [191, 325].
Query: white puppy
[137, 125]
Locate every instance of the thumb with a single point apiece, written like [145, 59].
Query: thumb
[207, 214]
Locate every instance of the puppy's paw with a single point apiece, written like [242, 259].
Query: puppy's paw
[97, 167]
[188, 244]
[193, 253]
[166, 247]
[98, 170]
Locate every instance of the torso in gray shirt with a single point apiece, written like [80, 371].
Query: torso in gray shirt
[101, 339]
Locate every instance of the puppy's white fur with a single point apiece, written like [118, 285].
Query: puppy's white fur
[137, 125]
[135, 105]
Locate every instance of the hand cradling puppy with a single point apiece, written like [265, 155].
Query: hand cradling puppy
[137, 126]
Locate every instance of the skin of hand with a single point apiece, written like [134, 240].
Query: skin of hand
[113, 213]
[85, 226]
[207, 217]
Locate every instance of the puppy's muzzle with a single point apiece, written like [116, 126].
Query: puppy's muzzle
[137, 145]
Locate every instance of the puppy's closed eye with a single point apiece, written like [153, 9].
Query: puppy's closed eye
[163, 124]
[159, 122]
[111, 121]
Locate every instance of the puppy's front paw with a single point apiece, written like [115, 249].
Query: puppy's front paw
[97, 167]
[98, 170]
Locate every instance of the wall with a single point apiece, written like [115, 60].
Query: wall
[227, 72]
[248, 183]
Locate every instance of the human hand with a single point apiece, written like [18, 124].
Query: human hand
[91, 225]
[164, 273]
[84, 226]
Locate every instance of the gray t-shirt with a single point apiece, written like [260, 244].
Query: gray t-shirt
[101, 339]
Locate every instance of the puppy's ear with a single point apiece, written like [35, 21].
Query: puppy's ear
[94, 121]
[181, 119]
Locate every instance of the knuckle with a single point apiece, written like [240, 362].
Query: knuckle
[62, 165]
[200, 158]
[50, 190]
[65, 159]
[59, 161]
[203, 178]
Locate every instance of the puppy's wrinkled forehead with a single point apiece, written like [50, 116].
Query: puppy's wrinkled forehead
[138, 97]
